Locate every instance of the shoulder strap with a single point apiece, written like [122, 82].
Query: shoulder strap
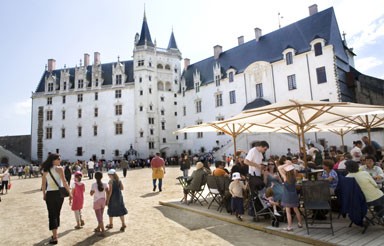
[53, 178]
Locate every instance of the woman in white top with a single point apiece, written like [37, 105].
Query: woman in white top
[51, 194]
[356, 151]
[5, 181]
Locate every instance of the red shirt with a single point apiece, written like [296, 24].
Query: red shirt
[157, 162]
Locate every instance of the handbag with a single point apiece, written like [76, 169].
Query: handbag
[63, 191]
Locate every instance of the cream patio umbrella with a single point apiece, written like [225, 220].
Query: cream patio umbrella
[231, 129]
[362, 120]
[301, 116]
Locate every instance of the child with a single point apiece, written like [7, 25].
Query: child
[115, 201]
[271, 202]
[236, 188]
[78, 189]
[290, 198]
[99, 190]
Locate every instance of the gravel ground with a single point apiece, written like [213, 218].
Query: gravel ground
[24, 218]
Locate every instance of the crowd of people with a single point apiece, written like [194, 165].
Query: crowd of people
[278, 176]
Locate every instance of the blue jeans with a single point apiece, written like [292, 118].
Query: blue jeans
[160, 183]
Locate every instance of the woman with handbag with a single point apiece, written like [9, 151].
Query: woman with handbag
[53, 183]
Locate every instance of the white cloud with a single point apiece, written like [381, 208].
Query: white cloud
[369, 34]
[23, 107]
[367, 63]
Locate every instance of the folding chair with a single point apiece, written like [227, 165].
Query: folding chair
[317, 200]
[196, 195]
[223, 186]
[214, 192]
[183, 184]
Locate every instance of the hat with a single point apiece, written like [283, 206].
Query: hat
[199, 165]
[78, 173]
[236, 176]
[289, 168]
[111, 171]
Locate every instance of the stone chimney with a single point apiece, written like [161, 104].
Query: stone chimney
[217, 49]
[187, 61]
[96, 58]
[240, 40]
[257, 34]
[312, 9]
[51, 65]
[86, 60]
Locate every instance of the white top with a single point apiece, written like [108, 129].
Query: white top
[91, 165]
[5, 176]
[257, 157]
[51, 185]
[98, 194]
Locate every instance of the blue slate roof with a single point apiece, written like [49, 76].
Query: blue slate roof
[269, 48]
[145, 35]
[257, 103]
[172, 42]
[106, 75]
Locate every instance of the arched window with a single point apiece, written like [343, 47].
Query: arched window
[168, 86]
[318, 49]
[160, 86]
[167, 67]
[159, 66]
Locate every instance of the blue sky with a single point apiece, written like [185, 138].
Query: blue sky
[33, 31]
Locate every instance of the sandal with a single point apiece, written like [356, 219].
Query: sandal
[97, 229]
[109, 226]
[53, 241]
[299, 225]
[288, 229]
[122, 229]
[77, 227]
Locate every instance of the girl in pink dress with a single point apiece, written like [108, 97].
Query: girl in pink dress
[78, 189]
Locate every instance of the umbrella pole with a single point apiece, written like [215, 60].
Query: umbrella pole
[234, 148]
[303, 148]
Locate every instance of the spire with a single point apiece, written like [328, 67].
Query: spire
[145, 36]
[172, 42]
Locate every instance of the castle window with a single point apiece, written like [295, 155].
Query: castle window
[318, 49]
[79, 97]
[65, 86]
[217, 80]
[259, 90]
[289, 58]
[96, 96]
[150, 107]
[80, 83]
[79, 131]
[159, 66]
[321, 75]
[118, 79]
[49, 100]
[63, 115]
[64, 99]
[96, 112]
[150, 78]
[185, 135]
[219, 100]
[118, 109]
[49, 114]
[184, 111]
[118, 94]
[140, 108]
[94, 130]
[162, 98]
[162, 112]
[140, 63]
[292, 82]
[167, 67]
[141, 134]
[151, 145]
[164, 140]
[79, 113]
[50, 86]
[230, 77]
[119, 128]
[141, 92]
[198, 106]
[48, 133]
[151, 120]
[150, 90]
[79, 151]
[162, 125]
[197, 87]
[140, 79]
[232, 97]
[97, 82]
[62, 132]
[151, 131]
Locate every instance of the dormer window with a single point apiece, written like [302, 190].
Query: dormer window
[318, 49]
[140, 63]
[65, 86]
[80, 83]
[289, 58]
[230, 77]
[118, 79]
[197, 87]
[50, 86]
[217, 80]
